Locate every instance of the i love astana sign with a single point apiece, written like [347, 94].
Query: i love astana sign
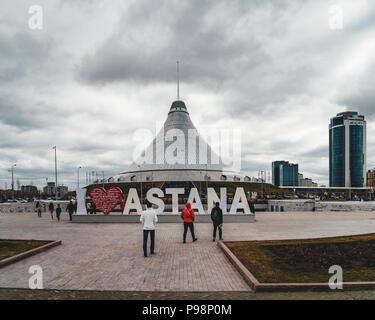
[107, 200]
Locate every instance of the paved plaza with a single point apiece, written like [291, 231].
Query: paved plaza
[110, 256]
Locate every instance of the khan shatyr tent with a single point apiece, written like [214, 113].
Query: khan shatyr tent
[190, 161]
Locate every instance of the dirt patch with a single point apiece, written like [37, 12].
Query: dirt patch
[9, 248]
[308, 261]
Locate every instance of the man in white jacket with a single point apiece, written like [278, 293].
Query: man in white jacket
[148, 219]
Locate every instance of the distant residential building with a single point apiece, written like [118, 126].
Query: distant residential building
[300, 177]
[50, 190]
[347, 150]
[371, 178]
[305, 182]
[284, 173]
[29, 190]
[62, 191]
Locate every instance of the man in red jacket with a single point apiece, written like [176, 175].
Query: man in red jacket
[122, 206]
[188, 216]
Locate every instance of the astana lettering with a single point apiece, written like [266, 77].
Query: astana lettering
[106, 200]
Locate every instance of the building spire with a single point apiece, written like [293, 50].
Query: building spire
[178, 80]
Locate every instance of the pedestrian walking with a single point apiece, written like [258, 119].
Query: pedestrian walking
[39, 209]
[70, 209]
[188, 216]
[217, 220]
[88, 206]
[122, 206]
[58, 212]
[252, 207]
[51, 209]
[149, 220]
[75, 206]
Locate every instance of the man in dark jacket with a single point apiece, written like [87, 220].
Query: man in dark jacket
[217, 220]
[70, 209]
[58, 212]
[252, 207]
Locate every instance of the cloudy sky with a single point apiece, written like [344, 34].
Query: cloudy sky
[99, 70]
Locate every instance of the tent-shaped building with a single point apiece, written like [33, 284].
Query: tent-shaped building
[178, 155]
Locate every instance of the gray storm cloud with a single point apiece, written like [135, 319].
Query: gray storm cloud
[99, 70]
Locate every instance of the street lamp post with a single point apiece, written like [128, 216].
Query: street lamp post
[206, 182]
[55, 171]
[78, 177]
[262, 184]
[200, 184]
[12, 170]
[141, 186]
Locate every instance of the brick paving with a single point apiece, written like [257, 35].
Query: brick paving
[110, 257]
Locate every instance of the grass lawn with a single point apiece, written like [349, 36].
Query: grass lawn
[9, 248]
[297, 261]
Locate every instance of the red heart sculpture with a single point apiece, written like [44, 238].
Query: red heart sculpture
[106, 200]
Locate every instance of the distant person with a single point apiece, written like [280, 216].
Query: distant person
[70, 209]
[58, 212]
[122, 205]
[93, 206]
[149, 220]
[217, 220]
[39, 209]
[188, 216]
[75, 206]
[252, 207]
[51, 209]
[88, 206]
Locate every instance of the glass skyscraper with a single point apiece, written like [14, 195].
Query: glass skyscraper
[284, 174]
[347, 150]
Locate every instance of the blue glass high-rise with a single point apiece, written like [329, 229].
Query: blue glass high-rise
[347, 150]
[284, 174]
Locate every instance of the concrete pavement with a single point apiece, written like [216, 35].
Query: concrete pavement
[110, 257]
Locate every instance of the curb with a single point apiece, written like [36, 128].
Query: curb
[249, 278]
[29, 253]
